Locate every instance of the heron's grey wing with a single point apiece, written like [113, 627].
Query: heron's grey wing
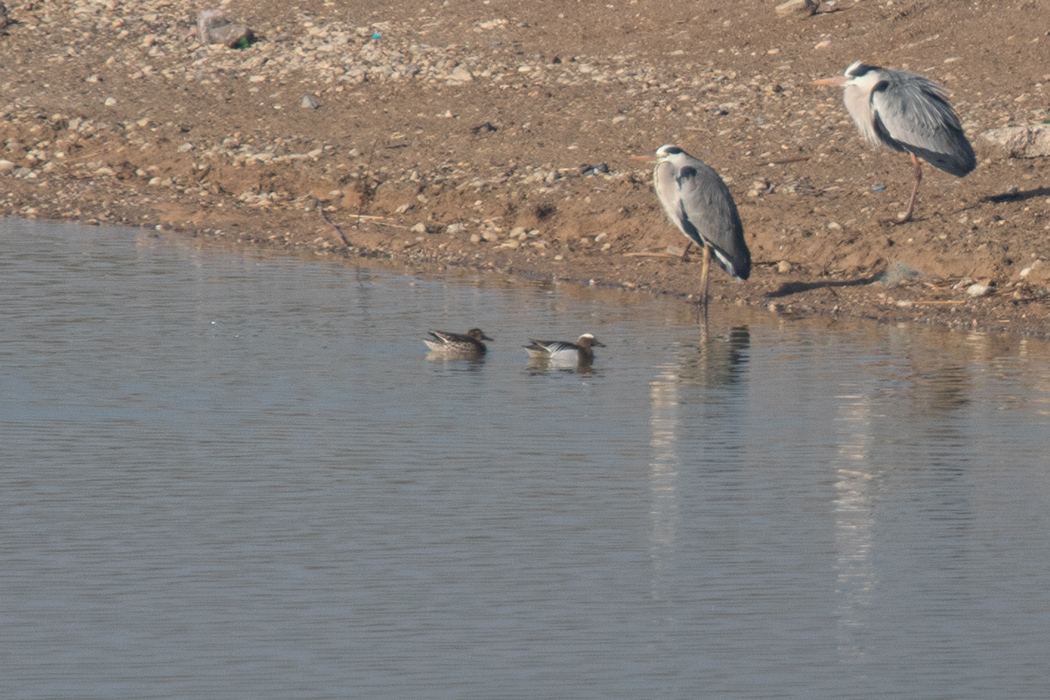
[709, 213]
[915, 113]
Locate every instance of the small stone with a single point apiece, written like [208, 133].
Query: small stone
[490, 235]
[796, 9]
[460, 74]
[455, 229]
[6, 166]
[783, 267]
[419, 228]
[978, 290]
[213, 27]
[110, 101]
[308, 102]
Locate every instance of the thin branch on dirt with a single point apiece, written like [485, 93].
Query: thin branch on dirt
[364, 182]
[785, 161]
[328, 221]
[383, 221]
[649, 255]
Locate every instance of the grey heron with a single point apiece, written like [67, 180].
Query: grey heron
[697, 201]
[906, 112]
[463, 344]
[562, 351]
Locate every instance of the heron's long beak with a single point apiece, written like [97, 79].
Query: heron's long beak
[644, 159]
[837, 80]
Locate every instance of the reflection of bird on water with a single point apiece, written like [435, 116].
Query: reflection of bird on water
[698, 202]
[462, 344]
[564, 352]
[720, 360]
[906, 112]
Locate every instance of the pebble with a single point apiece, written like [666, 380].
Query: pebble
[796, 9]
[455, 229]
[978, 290]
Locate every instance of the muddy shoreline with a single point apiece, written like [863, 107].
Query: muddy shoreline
[464, 136]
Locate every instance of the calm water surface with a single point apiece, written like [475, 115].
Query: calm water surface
[234, 476]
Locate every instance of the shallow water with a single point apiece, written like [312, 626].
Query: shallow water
[239, 476]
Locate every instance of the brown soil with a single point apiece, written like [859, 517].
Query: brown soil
[213, 141]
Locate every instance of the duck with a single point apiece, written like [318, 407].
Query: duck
[563, 351]
[468, 343]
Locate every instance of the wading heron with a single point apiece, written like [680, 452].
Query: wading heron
[697, 201]
[906, 112]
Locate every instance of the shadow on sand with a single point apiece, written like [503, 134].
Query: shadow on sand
[789, 288]
[1018, 196]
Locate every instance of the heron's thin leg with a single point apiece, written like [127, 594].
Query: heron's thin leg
[685, 252]
[703, 275]
[915, 190]
[701, 303]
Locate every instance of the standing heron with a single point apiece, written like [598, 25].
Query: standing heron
[697, 201]
[906, 112]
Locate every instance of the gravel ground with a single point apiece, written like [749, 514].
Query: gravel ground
[496, 135]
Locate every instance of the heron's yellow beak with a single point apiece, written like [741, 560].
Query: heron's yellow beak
[837, 80]
[644, 159]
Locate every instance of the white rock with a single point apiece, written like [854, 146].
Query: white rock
[6, 166]
[1030, 141]
[978, 290]
[419, 228]
[461, 75]
[796, 9]
[455, 228]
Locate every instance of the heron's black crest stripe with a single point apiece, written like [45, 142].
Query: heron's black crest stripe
[860, 69]
[673, 150]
